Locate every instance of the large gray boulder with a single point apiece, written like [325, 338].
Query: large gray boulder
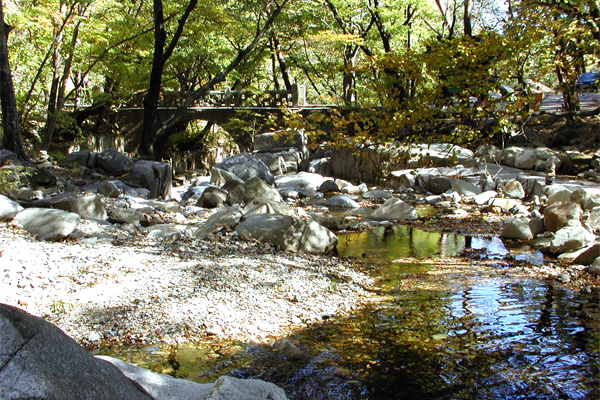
[92, 206]
[124, 215]
[273, 141]
[571, 237]
[47, 224]
[6, 156]
[587, 198]
[558, 215]
[155, 176]
[220, 177]
[245, 166]
[517, 228]
[394, 209]
[525, 159]
[341, 201]
[8, 208]
[255, 189]
[38, 361]
[514, 190]
[289, 233]
[226, 218]
[588, 256]
[302, 180]
[113, 162]
[165, 387]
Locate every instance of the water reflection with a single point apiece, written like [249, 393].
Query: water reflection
[394, 242]
[441, 331]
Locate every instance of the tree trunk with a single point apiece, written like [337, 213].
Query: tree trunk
[468, 28]
[161, 55]
[10, 116]
[349, 76]
[60, 86]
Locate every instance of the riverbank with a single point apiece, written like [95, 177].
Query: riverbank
[138, 290]
[141, 291]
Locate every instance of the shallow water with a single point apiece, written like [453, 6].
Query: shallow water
[441, 330]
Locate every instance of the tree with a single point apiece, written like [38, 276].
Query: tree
[10, 116]
[160, 58]
[155, 136]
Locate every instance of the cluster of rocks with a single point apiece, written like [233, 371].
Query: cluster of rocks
[246, 196]
[561, 218]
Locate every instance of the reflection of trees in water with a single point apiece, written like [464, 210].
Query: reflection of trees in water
[394, 242]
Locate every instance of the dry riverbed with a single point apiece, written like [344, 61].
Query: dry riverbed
[141, 291]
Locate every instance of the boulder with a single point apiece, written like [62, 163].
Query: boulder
[210, 200]
[226, 218]
[594, 269]
[169, 232]
[505, 205]
[272, 141]
[302, 180]
[254, 189]
[485, 197]
[592, 218]
[245, 166]
[109, 189]
[281, 162]
[113, 162]
[525, 159]
[44, 177]
[47, 224]
[341, 201]
[588, 256]
[569, 238]
[288, 349]
[221, 177]
[122, 215]
[394, 209]
[438, 185]
[155, 176]
[268, 207]
[288, 233]
[377, 194]
[557, 194]
[349, 187]
[81, 158]
[165, 387]
[517, 228]
[6, 156]
[328, 186]
[558, 215]
[92, 206]
[514, 190]
[8, 208]
[465, 188]
[587, 198]
[40, 362]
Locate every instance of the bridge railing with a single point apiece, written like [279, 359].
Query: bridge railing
[237, 98]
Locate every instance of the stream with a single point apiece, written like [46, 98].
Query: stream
[442, 328]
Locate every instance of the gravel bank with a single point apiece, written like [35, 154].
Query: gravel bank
[136, 290]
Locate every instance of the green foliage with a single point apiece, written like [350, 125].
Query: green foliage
[8, 183]
[396, 56]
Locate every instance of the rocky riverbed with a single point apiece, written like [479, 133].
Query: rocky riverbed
[144, 291]
[124, 269]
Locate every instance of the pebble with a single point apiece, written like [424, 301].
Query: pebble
[138, 291]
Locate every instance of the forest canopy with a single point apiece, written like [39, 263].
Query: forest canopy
[462, 68]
